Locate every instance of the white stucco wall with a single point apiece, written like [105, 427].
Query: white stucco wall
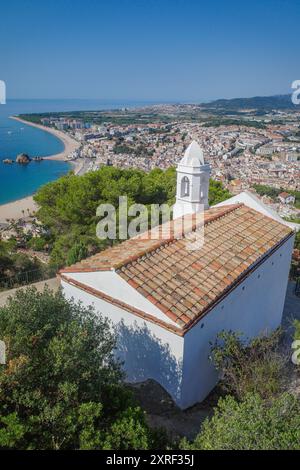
[112, 284]
[147, 349]
[253, 308]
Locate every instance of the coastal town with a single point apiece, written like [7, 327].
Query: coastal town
[258, 153]
[255, 152]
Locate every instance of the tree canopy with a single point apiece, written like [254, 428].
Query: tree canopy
[61, 387]
[68, 206]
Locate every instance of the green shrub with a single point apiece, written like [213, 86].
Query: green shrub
[257, 366]
[38, 243]
[253, 424]
[78, 252]
[297, 330]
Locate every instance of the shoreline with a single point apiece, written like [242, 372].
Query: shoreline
[70, 144]
[14, 209]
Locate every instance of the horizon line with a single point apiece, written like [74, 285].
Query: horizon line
[150, 101]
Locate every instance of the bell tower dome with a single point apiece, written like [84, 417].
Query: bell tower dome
[192, 182]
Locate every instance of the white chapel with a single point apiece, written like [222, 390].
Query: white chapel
[167, 304]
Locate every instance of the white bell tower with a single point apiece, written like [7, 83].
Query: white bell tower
[192, 182]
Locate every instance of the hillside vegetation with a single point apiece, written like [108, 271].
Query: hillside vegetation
[68, 206]
[63, 388]
[265, 103]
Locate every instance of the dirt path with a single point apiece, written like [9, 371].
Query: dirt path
[53, 284]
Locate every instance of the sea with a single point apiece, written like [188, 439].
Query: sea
[18, 181]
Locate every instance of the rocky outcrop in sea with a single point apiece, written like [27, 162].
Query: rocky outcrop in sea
[23, 158]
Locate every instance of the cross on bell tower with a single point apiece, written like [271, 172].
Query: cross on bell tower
[192, 182]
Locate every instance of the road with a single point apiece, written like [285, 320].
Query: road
[53, 284]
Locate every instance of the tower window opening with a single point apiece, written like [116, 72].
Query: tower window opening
[185, 186]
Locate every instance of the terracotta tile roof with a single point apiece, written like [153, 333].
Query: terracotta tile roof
[284, 195]
[186, 284]
[131, 249]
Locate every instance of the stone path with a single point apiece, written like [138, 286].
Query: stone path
[53, 284]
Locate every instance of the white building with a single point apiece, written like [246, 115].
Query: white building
[286, 198]
[168, 303]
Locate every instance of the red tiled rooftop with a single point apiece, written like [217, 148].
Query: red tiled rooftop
[131, 249]
[284, 195]
[185, 284]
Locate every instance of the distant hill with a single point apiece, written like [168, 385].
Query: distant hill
[278, 102]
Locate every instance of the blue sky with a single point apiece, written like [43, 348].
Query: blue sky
[148, 49]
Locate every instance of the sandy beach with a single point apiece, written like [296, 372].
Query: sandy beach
[14, 210]
[69, 144]
[18, 209]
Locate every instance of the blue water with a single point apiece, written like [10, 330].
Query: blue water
[17, 181]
